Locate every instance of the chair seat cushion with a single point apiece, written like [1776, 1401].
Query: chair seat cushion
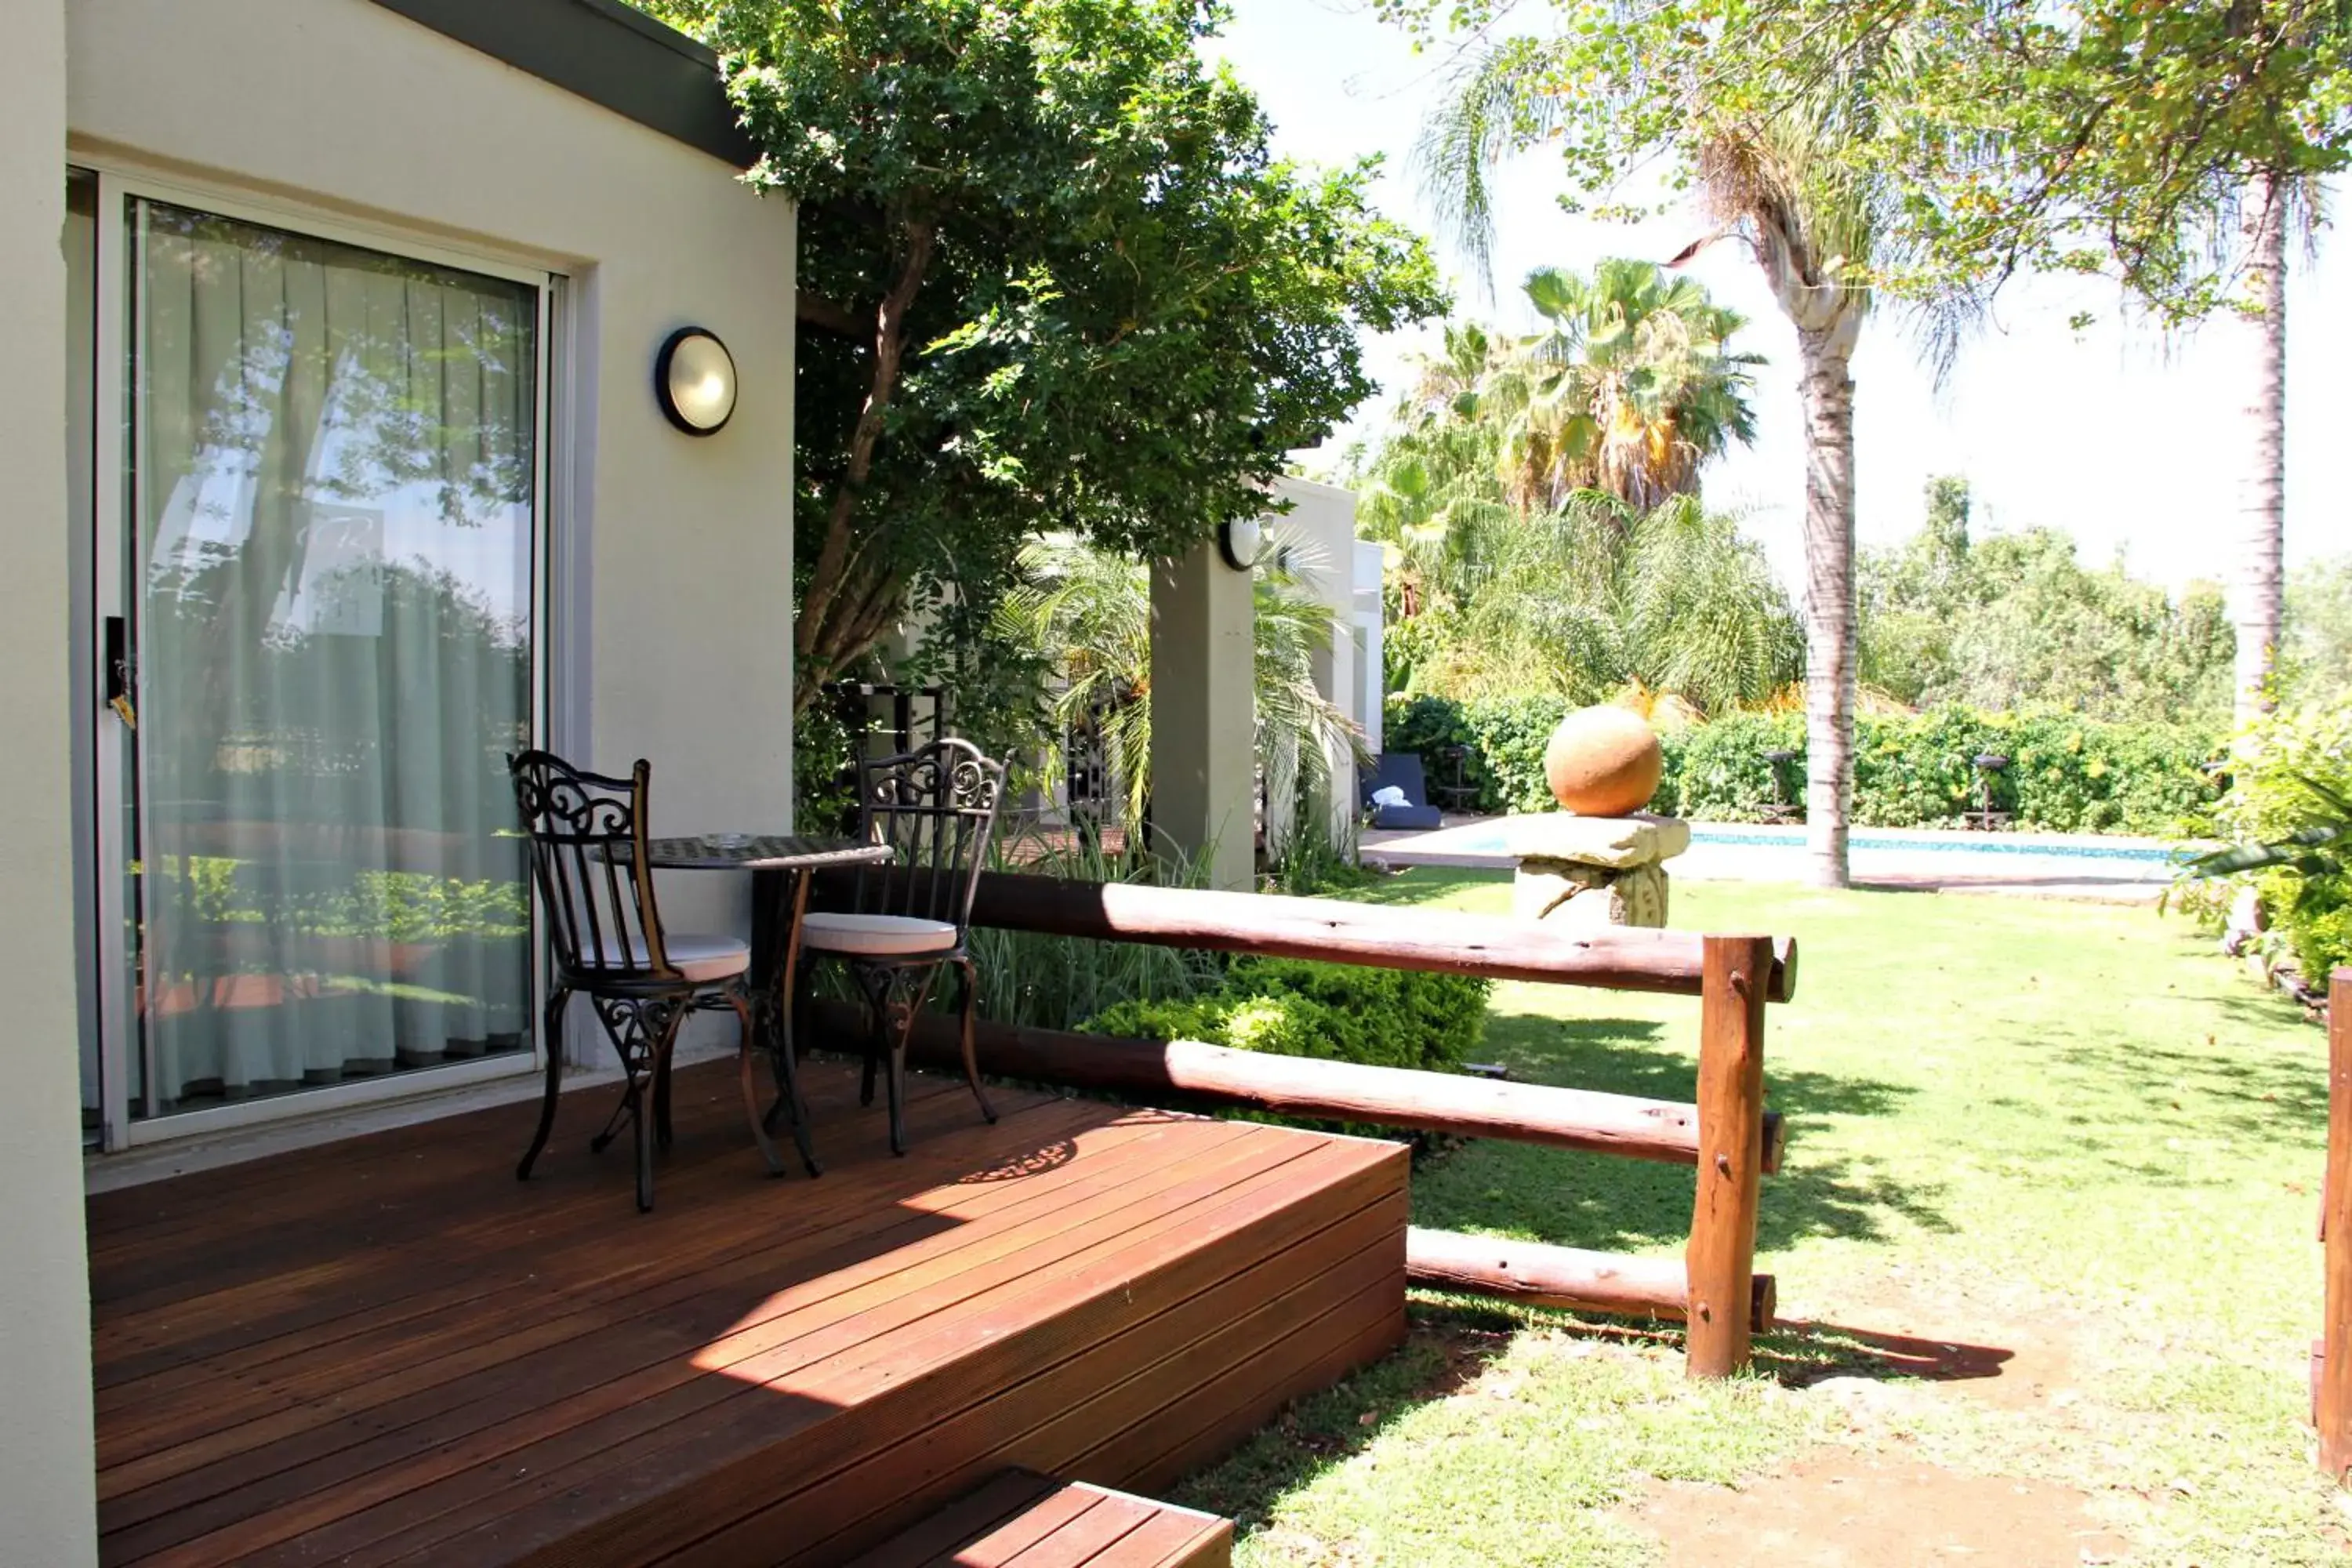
[699, 956]
[877, 936]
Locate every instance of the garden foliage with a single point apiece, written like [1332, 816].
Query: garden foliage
[1380, 1017]
[1052, 277]
[2283, 771]
[2014, 620]
[2065, 774]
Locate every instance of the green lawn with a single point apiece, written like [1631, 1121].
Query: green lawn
[2066, 1131]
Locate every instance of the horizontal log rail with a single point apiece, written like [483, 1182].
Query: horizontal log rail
[1546, 1276]
[1191, 1070]
[1446, 942]
[1727, 1133]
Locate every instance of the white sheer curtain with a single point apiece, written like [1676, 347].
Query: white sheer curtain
[335, 477]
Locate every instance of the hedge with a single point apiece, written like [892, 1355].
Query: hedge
[2065, 774]
[1382, 1017]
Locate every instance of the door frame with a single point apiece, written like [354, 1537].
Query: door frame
[106, 533]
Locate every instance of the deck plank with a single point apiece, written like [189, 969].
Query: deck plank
[390, 1351]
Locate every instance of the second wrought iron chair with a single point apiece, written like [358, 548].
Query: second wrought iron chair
[589, 858]
[936, 807]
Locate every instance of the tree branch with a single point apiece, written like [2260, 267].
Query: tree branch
[819, 311]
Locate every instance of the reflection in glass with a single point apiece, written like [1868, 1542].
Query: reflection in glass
[333, 480]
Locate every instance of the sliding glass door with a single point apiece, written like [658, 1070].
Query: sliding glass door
[317, 644]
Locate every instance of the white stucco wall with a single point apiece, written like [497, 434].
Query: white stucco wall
[672, 620]
[47, 1496]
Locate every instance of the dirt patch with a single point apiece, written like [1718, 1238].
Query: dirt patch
[1968, 1348]
[1839, 1509]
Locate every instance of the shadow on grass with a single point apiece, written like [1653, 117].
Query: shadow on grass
[1606, 1202]
[2128, 1104]
[1799, 1354]
[1446, 1346]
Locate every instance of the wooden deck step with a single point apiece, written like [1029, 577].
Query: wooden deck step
[1022, 1519]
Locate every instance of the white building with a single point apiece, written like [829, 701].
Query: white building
[359, 476]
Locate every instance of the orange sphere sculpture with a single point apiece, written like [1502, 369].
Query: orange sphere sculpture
[1603, 761]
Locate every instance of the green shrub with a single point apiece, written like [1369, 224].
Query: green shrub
[1380, 1017]
[2272, 768]
[2319, 937]
[1506, 742]
[2064, 776]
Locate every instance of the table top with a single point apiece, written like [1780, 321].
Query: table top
[763, 852]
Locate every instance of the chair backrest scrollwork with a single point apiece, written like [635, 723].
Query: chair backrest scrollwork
[588, 858]
[936, 809]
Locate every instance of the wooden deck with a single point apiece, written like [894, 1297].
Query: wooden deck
[387, 1351]
[1025, 1521]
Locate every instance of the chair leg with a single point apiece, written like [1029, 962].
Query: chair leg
[746, 1050]
[970, 1046]
[634, 1025]
[648, 1129]
[663, 1133]
[788, 1027]
[902, 993]
[555, 1043]
[899, 1027]
[875, 1026]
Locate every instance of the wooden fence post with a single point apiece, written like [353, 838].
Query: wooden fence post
[2334, 1401]
[1721, 1257]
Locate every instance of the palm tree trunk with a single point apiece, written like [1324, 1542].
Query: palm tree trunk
[2260, 608]
[1828, 394]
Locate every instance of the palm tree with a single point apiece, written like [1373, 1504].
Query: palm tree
[1597, 599]
[1819, 224]
[1628, 388]
[2259, 609]
[1090, 610]
[1430, 488]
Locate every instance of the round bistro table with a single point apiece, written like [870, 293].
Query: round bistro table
[783, 865]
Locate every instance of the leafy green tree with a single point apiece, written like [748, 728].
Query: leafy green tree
[1628, 387]
[1051, 278]
[2316, 661]
[2016, 621]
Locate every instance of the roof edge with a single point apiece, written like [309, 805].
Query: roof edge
[607, 52]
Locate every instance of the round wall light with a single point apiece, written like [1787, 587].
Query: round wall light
[694, 379]
[1239, 542]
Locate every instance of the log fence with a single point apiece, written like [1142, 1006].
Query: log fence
[2331, 1361]
[1725, 1131]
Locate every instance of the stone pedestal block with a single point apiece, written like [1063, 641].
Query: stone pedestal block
[1586, 872]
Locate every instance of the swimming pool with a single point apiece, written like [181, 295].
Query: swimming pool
[1490, 839]
[1954, 843]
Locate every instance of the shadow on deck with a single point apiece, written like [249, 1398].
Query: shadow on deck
[389, 1351]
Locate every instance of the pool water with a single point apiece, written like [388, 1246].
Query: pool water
[1482, 839]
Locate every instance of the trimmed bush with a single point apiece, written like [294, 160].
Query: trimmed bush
[1380, 1017]
[1506, 740]
[2270, 800]
[2065, 774]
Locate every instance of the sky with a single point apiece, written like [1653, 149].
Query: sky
[2129, 440]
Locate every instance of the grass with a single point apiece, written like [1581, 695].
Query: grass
[2066, 1133]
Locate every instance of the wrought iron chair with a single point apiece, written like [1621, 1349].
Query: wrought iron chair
[935, 807]
[588, 855]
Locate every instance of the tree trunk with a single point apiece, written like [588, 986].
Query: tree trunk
[847, 604]
[2258, 609]
[1828, 393]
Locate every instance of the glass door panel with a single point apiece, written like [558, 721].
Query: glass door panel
[332, 497]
